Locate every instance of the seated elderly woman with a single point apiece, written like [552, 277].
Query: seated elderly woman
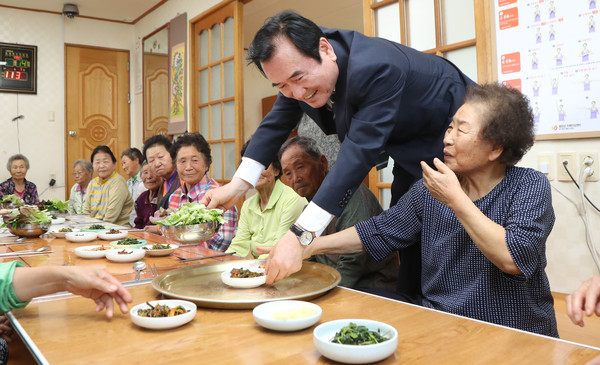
[147, 203]
[266, 216]
[83, 173]
[18, 165]
[482, 221]
[107, 197]
[193, 159]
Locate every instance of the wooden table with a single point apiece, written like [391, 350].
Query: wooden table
[65, 330]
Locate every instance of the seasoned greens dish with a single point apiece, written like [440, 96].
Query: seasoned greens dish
[161, 311]
[354, 334]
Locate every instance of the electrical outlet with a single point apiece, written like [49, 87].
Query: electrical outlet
[562, 174]
[546, 164]
[594, 165]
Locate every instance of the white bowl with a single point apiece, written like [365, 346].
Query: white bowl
[59, 220]
[132, 254]
[112, 236]
[160, 252]
[287, 315]
[80, 237]
[243, 283]
[88, 252]
[353, 354]
[163, 322]
[55, 232]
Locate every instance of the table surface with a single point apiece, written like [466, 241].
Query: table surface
[64, 328]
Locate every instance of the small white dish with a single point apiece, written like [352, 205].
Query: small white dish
[92, 252]
[125, 254]
[160, 252]
[161, 323]
[112, 236]
[80, 237]
[243, 283]
[59, 220]
[353, 354]
[116, 245]
[56, 232]
[287, 315]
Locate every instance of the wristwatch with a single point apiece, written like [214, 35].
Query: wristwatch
[305, 237]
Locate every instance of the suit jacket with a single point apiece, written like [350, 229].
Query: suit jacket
[388, 98]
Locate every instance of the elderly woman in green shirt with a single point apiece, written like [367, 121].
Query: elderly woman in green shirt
[266, 216]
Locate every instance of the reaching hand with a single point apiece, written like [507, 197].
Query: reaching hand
[99, 286]
[6, 330]
[285, 258]
[226, 196]
[586, 298]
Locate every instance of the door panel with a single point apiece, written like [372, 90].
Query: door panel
[156, 93]
[97, 106]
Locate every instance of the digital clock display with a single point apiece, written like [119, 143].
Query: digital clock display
[15, 75]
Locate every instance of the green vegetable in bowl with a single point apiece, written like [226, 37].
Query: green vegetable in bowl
[12, 199]
[27, 215]
[95, 227]
[192, 213]
[354, 334]
[128, 241]
[54, 205]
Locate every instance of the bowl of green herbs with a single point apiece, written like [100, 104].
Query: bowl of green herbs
[355, 341]
[191, 223]
[28, 222]
[11, 201]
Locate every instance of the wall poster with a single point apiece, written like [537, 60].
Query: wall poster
[550, 50]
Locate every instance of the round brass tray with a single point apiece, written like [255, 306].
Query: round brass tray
[202, 285]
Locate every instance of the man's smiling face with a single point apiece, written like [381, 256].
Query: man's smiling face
[300, 77]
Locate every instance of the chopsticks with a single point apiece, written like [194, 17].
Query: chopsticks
[23, 253]
[183, 259]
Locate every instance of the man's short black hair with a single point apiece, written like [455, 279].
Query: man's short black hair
[133, 153]
[302, 32]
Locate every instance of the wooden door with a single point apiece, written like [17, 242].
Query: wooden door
[97, 104]
[156, 94]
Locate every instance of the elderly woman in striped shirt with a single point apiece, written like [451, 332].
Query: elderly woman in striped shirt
[107, 197]
[483, 222]
[193, 159]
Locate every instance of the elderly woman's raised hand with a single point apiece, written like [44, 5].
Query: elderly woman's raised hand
[585, 299]
[443, 183]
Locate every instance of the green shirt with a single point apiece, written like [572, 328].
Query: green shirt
[258, 227]
[8, 298]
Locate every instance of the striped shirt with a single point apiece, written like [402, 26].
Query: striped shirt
[109, 200]
[221, 241]
[456, 276]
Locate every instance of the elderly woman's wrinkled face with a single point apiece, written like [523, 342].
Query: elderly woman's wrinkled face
[191, 165]
[160, 161]
[465, 152]
[267, 177]
[81, 175]
[18, 169]
[103, 165]
[150, 180]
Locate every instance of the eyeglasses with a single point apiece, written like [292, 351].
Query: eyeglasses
[76, 174]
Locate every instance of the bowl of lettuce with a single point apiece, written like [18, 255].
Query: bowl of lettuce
[191, 223]
[28, 222]
[11, 201]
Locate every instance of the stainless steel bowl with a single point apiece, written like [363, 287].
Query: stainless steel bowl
[30, 230]
[195, 233]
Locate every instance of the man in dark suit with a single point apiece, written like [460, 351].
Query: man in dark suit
[380, 97]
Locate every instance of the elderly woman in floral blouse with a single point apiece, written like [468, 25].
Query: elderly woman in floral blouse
[18, 165]
[83, 173]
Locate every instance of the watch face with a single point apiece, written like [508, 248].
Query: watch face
[306, 238]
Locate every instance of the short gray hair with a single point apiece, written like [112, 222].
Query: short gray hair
[87, 165]
[309, 145]
[16, 157]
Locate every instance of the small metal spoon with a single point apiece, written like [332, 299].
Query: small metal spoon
[139, 266]
[20, 239]
[42, 249]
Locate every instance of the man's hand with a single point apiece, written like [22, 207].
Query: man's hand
[227, 195]
[586, 298]
[99, 286]
[285, 258]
